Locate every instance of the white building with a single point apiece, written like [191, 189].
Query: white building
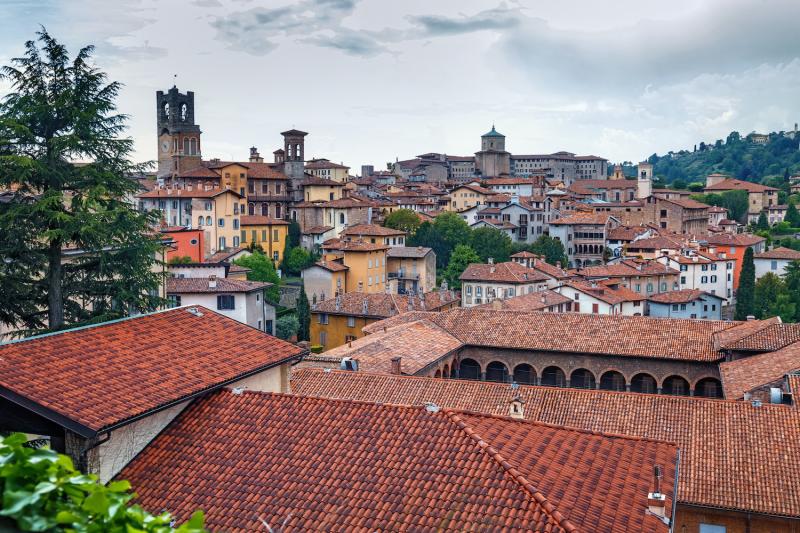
[482, 283]
[603, 298]
[774, 261]
[704, 271]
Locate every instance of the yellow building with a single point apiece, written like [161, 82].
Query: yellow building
[324, 168]
[365, 262]
[324, 279]
[216, 211]
[340, 319]
[317, 189]
[270, 233]
[466, 196]
[411, 269]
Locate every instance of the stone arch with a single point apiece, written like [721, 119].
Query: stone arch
[469, 369]
[675, 386]
[525, 374]
[644, 383]
[454, 369]
[582, 378]
[708, 387]
[438, 373]
[446, 371]
[612, 380]
[497, 371]
[554, 376]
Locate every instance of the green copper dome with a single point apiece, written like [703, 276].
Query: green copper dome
[493, 133]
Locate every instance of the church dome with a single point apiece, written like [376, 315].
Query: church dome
[493, 133]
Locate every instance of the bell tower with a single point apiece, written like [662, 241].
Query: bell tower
[178, 135]
[294, 162]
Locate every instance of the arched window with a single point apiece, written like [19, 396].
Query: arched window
[208, 221]
[675, 386]
[265, 209]
[554, 377]
[186, 146]
[193, 145]
[525, 374]
[644, 383]
[438, 374]
[251, 209]
[582, 379]
[341, 218]
[469, 369]
[497, 371]
[278, 213]
[612, 380]
[200, 220]
[446, 371]
[708, 388]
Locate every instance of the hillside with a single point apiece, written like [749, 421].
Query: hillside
[736, 156]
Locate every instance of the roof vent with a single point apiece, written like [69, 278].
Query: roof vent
[195, 311]
[431, 407]
[326, 370]
[212, 281]
[756, 403]
[348, 363]
[775, 395]
[237, 390]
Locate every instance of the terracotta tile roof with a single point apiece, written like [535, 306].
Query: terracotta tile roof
[738, 239]
[679, 297]
[743, 375]
[322, 164]
[332, 266]
[184, 193]
[779, 253]
[104, 375]
[717, 209]
[524, 255]
[627, 268]
[223, 255]
[626, 233]
[410, 252]
[223, 285]
[199, 172]
[499, 224]
[533, 301]
[382, 305]
[261, 220]
[475, 188]
[768, 338]
[254, 170]
[312, 180]
[734, 184]
[418, 344]
[686, 203]
[733, 455]
[633, 336]
[656, 243]
[741, 330]
[396, 320]
[317, 230]
[353, 246]
[371, 230]
[317, 469]
[610, 295]
[508, 272]
[582, 217]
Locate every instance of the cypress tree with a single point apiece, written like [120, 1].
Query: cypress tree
[303, 316]
[745, 296]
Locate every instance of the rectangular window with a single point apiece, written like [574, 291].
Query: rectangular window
[235, 223]
[674, 307]
[226, 302]
[469, 290]
[351, 322]
[244, 236]
[322, 318]
[683, 307]
[263, 235]
[174, 300]
[710, 528]
[684, 268]
[774, 265]
[221, 223]
[274, 235]
[323, 338]
[595, 308]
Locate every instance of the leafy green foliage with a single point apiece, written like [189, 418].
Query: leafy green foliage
[736, 156]
[287, 327]
[294, 235]
[745, 296]
[262, 269]
[491, 242]
[762, 224]
[460, 259]
[303, 316]
[59, 111]
[180, 260]
[443, 235]
[404, 220]
[551, 249]
[792, 216]
[736, 202]
[791, 277]
[42, 491]
[296, 260]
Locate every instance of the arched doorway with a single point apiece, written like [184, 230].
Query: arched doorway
[469, 369]
[644, 383]
[554, 377]
[708, 388]
[612, 380]
[438, 374]
[446, 371]
[497, 371]
[675, 386]
[454, 369]
[525, 374]
[582, 379]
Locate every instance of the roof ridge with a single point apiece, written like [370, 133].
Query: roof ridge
[548, 507]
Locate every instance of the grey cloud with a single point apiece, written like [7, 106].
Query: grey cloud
[351, 43]
[499, 18]
[207, 3]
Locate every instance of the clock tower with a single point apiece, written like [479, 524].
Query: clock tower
[178, 135]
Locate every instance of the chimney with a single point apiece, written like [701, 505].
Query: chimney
[255, 157]
[410, 302]
[365, 306]
[396, 365]
[750, 318]
[491, 260]
[558, 264]
[656, 501]
[497, 304]
[212, 281]
[516, 407]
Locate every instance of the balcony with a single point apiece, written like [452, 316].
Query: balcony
[402, 274]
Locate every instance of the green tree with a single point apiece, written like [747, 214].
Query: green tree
[443, 235]
[762, 224]
[491, 242]
[747, 280]
[784, 307]
[294, 235]
[296, 260]
[287, 327]
[792, 216]
[40, 490]
[404, 220]
[768, 287]
[262, 269]
[58, 111]
[180, 260]
[791, 276]
[551, 249]
[460, 259]
[303, 316]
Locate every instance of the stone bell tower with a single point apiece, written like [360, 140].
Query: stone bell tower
[178, 135]
[294, 162]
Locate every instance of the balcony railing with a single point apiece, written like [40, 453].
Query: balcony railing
[402, 274]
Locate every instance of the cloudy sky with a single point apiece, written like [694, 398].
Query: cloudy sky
[372, 80]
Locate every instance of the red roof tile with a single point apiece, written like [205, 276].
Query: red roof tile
[508, 272]
[324, 465]
[103, 375]
[678, 297]
[222, 285]
[779, 253]
[743, 375]
[371, 230]
[261, 220]
[733, 455]
[533, 301]
[734, 184]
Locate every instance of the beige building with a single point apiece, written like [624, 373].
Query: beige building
[411, 269]
[318, 189]
[466, 196]
[759, 197]
[324, 168]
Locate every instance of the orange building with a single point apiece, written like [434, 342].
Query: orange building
[734, 245]
[187, 242]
